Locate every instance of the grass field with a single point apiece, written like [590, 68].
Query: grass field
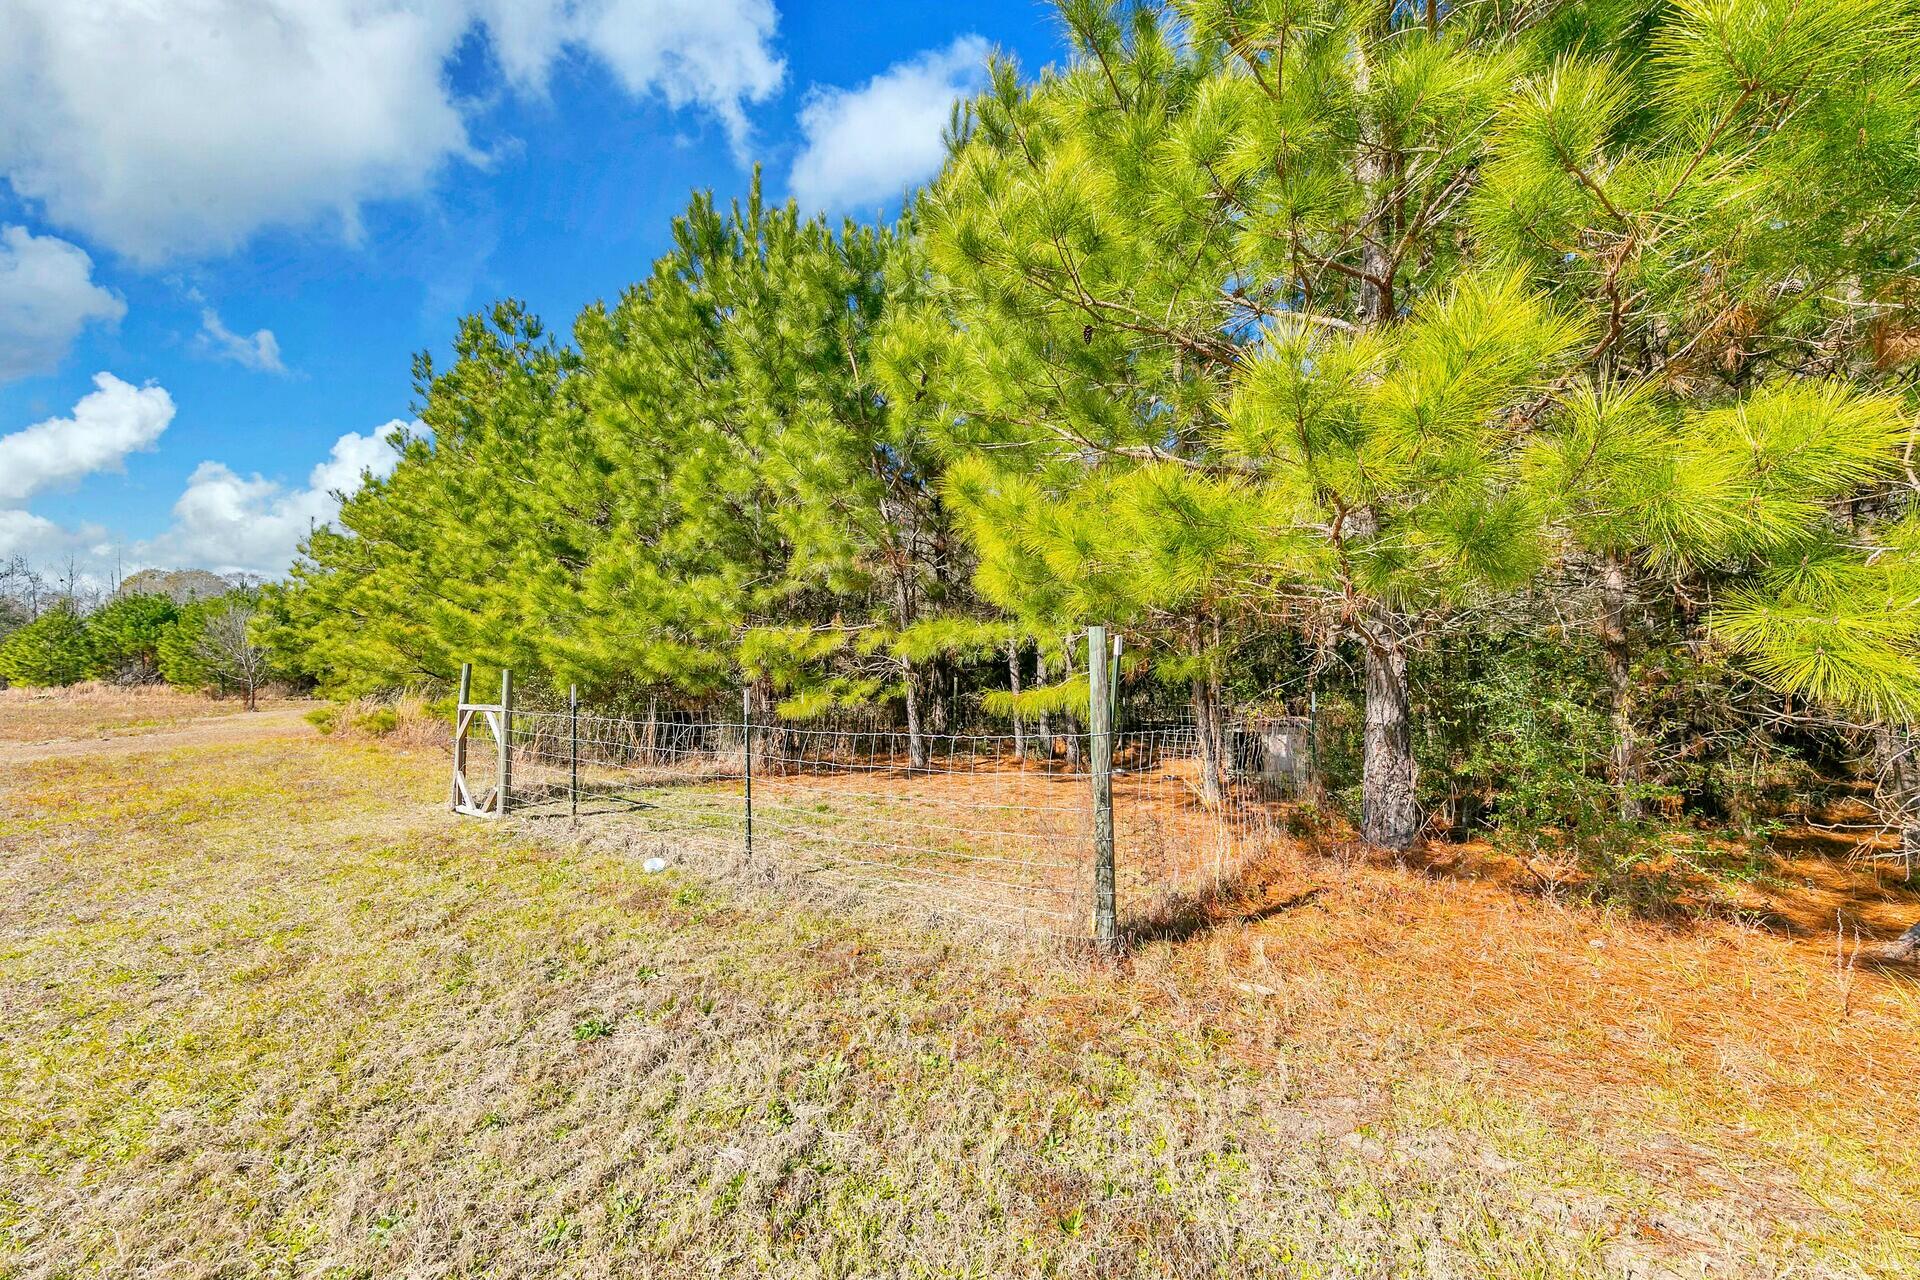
[265, 1008]
[100, 711]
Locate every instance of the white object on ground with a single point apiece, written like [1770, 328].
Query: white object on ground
[654, 864]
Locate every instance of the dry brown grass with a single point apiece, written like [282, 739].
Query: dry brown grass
[97, 710]
[268, 1010]
[406, 720]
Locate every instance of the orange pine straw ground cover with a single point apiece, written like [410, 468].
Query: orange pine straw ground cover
[1767, 1070]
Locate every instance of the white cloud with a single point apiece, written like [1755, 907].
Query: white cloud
[222, 521]
[161, 126]
[108, 423]
[715, 54]
[258, 350]
[875, 142]
[47, 296]
[169, 127]
[231, 523]
[42, 542]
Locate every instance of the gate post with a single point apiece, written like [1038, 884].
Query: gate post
[459, 732]
[1106, 923]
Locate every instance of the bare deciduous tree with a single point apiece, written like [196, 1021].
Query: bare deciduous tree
[232, 658]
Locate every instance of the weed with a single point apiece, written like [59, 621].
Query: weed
[592, 1028]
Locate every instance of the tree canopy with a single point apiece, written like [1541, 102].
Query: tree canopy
[1302, 332]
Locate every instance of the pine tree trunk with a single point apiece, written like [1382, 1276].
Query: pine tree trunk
[1897, 786]
[916, 736]
[1013, 677]
[1617, 654]
[1377, 231]
[651, 743]
[904, 613]
[1072, 722]
[1389, 816]
[1045, 724]
[1207, 732]
[769, 735]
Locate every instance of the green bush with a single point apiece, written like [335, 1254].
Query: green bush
[326, 719]
[377, 723]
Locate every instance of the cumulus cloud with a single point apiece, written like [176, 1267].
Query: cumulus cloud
[170, 127]
[43, 543]
[222, 521]
[47, 296]
[875, 142]
[716, 54]
[231, 523]
[108, 423]
[258, 350]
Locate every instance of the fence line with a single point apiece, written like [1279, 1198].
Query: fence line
[1084, 835]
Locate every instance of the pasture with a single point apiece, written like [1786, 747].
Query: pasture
[270, 1009]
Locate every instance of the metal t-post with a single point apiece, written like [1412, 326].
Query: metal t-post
[506, 743]
[573, 750]
[1106, 922]
[746, 752]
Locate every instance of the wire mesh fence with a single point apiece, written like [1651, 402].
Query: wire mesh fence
[995, 828]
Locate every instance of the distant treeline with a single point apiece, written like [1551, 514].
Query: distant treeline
[190, 629]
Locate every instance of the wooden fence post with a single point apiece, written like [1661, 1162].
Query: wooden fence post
[506, 743]
[573, 750]
[1106, 923]
[460, 738]
[746, 752]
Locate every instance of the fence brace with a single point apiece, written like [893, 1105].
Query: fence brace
[498, 717]
[459, 733]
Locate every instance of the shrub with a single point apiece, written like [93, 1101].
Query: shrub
[377, 723]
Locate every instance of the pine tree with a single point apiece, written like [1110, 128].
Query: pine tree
[123, 636]
[467, 550]
[1728, 188]
[1303, 286]
[778, 510]
[1219, 354]
[713, 485]
[48, 652]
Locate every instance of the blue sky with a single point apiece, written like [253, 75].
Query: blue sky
[227, 225]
